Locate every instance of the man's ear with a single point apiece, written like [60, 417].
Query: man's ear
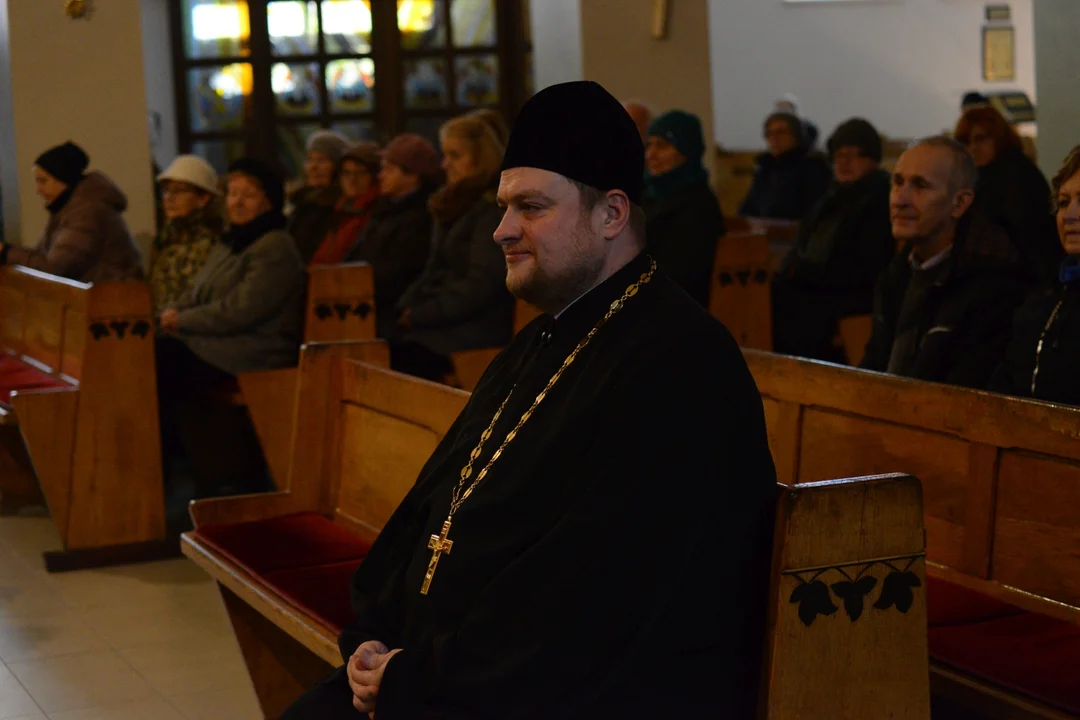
[616, 207]
[962, 202]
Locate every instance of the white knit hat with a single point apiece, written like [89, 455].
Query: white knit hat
[192, 170]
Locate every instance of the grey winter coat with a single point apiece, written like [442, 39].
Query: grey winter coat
[460, 301]
[243, 311]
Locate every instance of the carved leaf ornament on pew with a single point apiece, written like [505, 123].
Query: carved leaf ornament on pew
[813, 597]
[759, 276]
[342, 308]
[121, 328]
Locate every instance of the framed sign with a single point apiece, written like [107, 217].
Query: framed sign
[999, 54]
[998, 13]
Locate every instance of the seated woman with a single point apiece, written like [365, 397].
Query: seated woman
[397, 239]
[86, 237]
[193, 226]
[843, 245]
[314, 205]
[242, 313]
[1044, 352]
[790, 179]
[683, 216]
[359, 191]
[1011, 191]
[460, 302]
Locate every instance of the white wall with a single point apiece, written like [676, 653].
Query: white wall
[160, 94]
[556, 38]
[1057, 57]
[80, 80]
[902, 64]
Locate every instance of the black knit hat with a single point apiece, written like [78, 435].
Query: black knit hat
[580, 131]
[268, 178]
[859, 133]
[67, 163]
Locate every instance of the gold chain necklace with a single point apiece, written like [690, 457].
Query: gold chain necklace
[439, 544]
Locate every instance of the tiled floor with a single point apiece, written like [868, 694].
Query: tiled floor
[141, 642]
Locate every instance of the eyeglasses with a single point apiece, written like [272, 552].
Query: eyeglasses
[174, 190]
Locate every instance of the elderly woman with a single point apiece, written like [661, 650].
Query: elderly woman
[86, 237]
[242, 313]
[193, 226]
[1043, 356]
[1011, 191]
[358, 178]
[460, 301]
[790, 179]
[397, 240]
[683, 215]
[314, 205]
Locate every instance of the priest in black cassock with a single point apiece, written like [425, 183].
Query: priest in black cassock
[591, 538]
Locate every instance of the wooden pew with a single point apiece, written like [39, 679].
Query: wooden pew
[340, 308]
[1001, 480]
[366, 434]
[469, 365]
[89, 418]
[740, 296]
[362, 435]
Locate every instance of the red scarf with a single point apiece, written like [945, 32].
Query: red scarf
[353, 214]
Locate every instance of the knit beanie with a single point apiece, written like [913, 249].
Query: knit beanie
[331, 144]
[858, 133]
[681, 129]
[415, 155]
[366, 153]
[269, 180]
[67, 163]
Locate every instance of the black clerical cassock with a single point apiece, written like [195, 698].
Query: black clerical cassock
[613, 559]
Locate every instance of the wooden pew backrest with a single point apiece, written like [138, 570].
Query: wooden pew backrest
[740, 295]
[96, 450]
[847, 626]
[1000, 475]
[341, 303]
[43, 320]
[388, 425]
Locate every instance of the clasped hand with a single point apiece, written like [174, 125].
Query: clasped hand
[365, 670]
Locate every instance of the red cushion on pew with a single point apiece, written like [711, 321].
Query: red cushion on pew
[17, 375]
[951, 604]
[1030, 653]
[321, 591]
[283, 543]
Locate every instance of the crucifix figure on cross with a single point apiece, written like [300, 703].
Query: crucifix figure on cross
[438, 544]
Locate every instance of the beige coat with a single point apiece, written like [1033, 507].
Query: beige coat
[87, 239]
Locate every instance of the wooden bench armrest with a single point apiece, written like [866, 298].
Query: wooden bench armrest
[243, 508]
[303, 629]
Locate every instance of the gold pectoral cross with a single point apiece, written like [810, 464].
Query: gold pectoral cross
[438, 544]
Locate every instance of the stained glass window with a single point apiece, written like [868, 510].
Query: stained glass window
[216, 28]
[351, 85]
[219, 96]
[346, 26]
[473, 23]
[421, 23]
[477, 80]
[293, 26]
[425, 83]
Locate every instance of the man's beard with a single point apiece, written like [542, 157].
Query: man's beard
[552, 293]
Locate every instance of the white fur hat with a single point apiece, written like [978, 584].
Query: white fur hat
[192, 170]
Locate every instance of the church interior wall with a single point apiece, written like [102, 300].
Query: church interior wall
[160, 93]
[1057, 59]
[902, 64]
[620, 52]
[77, 79]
